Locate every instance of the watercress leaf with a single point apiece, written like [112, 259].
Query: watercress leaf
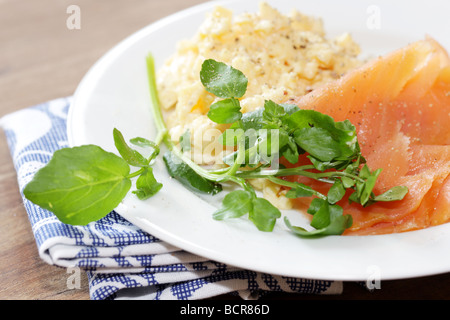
[335, 211]
[288, 147]
[235, 204]
[289, 108]
[353, 197]
[290, 154]
[230, 158]
[310, 118]
[322, 137]
[225, 111]
[347, 182]
[146, 185]
[81, 184]
[185, 141]
[365, 172]
[223, 80]
[321, 217]
[144, 143]
[252, 120]
[264, 214]
[393, 194]
[345, 126]
[251, 157]
[326, 216]
[240, 202]
[315, 205]
[231, 137]
[272, 110]
[267, 144]
[130, 155]
[320, 165]
[324, 165]
[255, 120]
[301, 190]
[299, 230]
[187, 176]
[336, 192]
[261, 146]
[338, 224]
[368, 186]
[318, 143]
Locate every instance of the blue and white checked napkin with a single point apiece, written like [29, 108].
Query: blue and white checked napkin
[121, 260]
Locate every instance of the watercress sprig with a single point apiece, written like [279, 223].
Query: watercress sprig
[332, 147]
[82, 184]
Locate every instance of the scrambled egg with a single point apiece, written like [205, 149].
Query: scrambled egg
[283, 56]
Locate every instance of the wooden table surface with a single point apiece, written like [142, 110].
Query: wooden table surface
[41, 59]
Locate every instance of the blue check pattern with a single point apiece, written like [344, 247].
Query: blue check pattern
[121, 260]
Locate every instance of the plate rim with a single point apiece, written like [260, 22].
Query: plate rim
[178, 242]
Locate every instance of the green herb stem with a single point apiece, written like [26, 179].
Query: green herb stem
[329, 174]
[279, 172]
[299, 171]
[136, 173]
[154, 100]
[290, 184]
[227, 175]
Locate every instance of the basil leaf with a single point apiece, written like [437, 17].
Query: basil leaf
[146, 185]
[222, 80]
[80, 185]
[235, 204]
[225, 111]
[133, 157]
[187, 176]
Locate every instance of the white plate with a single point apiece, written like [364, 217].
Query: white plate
[114, 93]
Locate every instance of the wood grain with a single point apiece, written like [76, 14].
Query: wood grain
[41, 59]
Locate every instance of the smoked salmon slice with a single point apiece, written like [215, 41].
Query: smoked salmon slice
[400, 106]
